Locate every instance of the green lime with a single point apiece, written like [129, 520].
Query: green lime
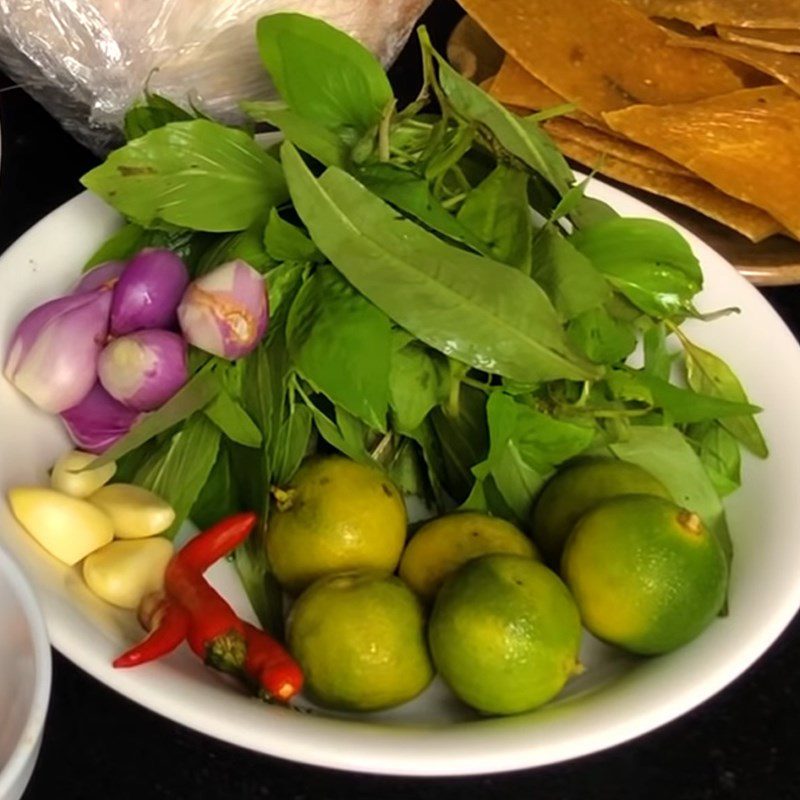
[360, 639]
[442, 545]
[335, 515]
[646, 574]
[505, 634]
[576, 489]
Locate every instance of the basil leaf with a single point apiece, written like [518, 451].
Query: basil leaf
[666, 455]
[329, 430]
[648, 261]
[283, 283]
[155, 112]
[520, 137]
[497, 212]
[286, 242]
[341, 344]
[291, 444]
[246, 245]
[708, 373]
[474, 309]
[260, 585]
[463, 441]
[233, 420]
[572, 200]
[602, 337]
[198, 174]
[412, 195]
[407, 471]
[525, 447]
[307, 134]
[179, 469]
[120, 246]
[657, 358]
[416, 384]
[591, 211]
[686, 406]
[218, 497]
[572, 283]
[719, 452]
[322, 73]
[194, 396]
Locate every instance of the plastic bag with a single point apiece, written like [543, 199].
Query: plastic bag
[87, 61]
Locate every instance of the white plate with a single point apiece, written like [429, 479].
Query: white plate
[616, 699]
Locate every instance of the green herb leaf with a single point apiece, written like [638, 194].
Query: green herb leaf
[708, 373]
[416, 383]
[218, 497]
[286, 242]
[155, 112]
[291, 444]
[310, 136]
[666, 455]
[197, 174]
[497, 212]
[261, 586]
[283, 283]
[572, 283]
[526, 446]
[474, 309]
[194, 396]
[657, 358]
[720, 455]
[329, 430]
[520, 137]
[602, 337]
[648, 261]
[233, 420]
[591, 211]
[572, 200]
[341, 344]
[246, 245]
[180, 467]
[463, 442]
[685, 405]
[412, 195]
[322, 73]
[120, 246]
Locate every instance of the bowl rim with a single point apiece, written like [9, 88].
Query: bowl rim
[29, 736]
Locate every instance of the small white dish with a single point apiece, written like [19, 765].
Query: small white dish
[25, 673]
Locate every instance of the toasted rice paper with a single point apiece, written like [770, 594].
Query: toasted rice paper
[784, 67]
[781, 41]
[610, 144]
[746, 143]
[739, 13]
[693, 192]
[600, 54]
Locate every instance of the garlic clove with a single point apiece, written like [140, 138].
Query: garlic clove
[67, 527]
[123, 572]
[135, 512]
[73, 475]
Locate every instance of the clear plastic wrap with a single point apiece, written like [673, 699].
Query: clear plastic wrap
[87, 61]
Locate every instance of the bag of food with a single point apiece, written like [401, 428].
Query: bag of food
[87, 61]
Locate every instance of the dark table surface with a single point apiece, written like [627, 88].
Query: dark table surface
[740, 744]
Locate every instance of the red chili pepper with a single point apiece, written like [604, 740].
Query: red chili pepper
[215, 633]
[168, 628]
[213, 544]
[271, 666]
[193, 610]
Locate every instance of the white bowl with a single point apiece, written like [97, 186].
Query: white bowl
[25, 672]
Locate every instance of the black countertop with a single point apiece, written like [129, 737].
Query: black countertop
[741, 744]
